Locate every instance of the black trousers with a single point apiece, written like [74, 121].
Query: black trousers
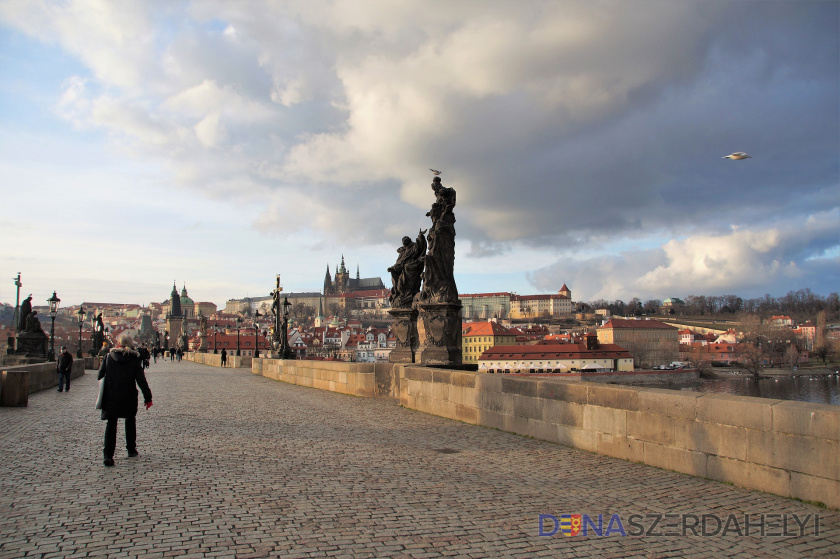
[111, 436]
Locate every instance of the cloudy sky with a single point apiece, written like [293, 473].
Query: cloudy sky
[219, 143]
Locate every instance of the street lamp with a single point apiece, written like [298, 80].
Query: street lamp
[238, 322]
[256, 333]
[81, 313]
[215, 338]
[53, 301]
[285, 350]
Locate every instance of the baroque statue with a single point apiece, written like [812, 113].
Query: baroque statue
[438, 276]
[407, 271]
[25, 309]
[33, 324]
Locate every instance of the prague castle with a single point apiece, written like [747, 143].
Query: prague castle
[343, 283]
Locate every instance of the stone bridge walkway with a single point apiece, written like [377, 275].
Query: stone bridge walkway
[235, 465]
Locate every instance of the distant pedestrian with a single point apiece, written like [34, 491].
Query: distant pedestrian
[224, 357]
[144, 355]
[155, 353]
[172, 354]
[179, 353]
[123, 372]
[64, 366]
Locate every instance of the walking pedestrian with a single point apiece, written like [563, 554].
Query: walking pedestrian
[224, 357]
[123, 372]
[64, 366]
[179, 353]
[144, 355]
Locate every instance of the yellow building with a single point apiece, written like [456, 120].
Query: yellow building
[651, 342]
[478, 337]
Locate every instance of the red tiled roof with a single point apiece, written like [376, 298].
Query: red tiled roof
[464, 295]
[486, 329]
[555, 351]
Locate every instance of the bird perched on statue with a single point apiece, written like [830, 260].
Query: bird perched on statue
[737, 155]
[436, 172]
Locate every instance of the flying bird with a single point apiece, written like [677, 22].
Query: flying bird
[737, 155]
[436, 172]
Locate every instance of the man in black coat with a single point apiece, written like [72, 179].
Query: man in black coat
[144, 355]
[123, 372]
[64, 366]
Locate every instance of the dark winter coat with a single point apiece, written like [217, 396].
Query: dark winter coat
[123, 372]
[64, 363]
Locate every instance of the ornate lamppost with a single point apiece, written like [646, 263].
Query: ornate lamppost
[256, 333]
[53, 301]
[81, 314]
[238, 323]
[285, 350]
[215, 338]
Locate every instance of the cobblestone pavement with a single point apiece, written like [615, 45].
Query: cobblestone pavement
[236, 465]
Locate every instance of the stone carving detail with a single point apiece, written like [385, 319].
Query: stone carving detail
[33, 324]
[402, 331]
[407, 271]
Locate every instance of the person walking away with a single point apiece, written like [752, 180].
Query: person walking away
[123, 373]
[224, 357]
[179, 354]
[64, 366]
[144, 355]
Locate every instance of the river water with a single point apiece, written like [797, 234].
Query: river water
[822, 389]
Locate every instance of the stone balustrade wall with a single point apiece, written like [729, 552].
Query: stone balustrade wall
[783, 447]
[17, 382]
[355, 379]
[215, 360]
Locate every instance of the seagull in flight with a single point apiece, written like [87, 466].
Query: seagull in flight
[737, 156]
[436, 172]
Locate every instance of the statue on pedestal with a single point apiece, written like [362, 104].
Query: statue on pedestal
[31, 340]
[437, 304]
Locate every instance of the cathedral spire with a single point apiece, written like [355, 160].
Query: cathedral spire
[357, 271]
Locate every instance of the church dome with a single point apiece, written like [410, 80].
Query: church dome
[185, 299]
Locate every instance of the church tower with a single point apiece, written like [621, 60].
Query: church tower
[175, 319]
[328, 286]
[342, 278]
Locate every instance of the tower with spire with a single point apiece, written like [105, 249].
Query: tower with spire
[175, 318]
[342, 283]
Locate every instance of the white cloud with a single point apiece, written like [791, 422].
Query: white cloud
[743, 260]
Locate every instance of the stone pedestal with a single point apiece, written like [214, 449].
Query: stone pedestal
[202, 343]
[32, 344]
[405, 330]
[439, 329]
[14, 388]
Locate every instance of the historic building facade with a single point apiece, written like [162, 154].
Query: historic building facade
[342, 282]
[651, 342]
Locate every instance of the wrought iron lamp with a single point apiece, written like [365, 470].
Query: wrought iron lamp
[53, 301]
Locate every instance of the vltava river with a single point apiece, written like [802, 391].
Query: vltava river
[823, 389]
